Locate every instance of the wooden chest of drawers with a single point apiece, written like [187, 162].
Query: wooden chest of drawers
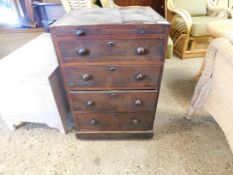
[112, 64]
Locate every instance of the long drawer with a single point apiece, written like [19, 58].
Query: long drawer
[71, 49]
[111, 101]
[103, 121]
[105, 77]
[86, 31]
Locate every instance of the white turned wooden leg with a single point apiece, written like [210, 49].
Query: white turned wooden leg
[197, 77]
[189, 113]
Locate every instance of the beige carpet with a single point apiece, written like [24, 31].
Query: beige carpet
[179, 147]
[10, 42]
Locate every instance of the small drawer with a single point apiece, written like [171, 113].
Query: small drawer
[86, 31]
[102, 101]
[71, 49]
[128, 121]
[117, 77]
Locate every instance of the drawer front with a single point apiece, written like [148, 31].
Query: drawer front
[102, 101]
[105, 77]
[140, 121]
[86, 31]
[71, 49]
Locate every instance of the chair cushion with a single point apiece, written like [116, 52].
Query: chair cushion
[169, 48]
[106, 3]
[200, 23]
[194, 7]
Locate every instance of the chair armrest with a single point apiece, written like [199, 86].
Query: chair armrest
[180, 12]
[219, 48]
[226, 48]
[213, 10]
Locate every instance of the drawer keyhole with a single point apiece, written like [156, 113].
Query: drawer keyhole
[113, 95]
[111, 44]
[135, 121]
[142, 31]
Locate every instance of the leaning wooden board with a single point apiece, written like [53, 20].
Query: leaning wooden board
[112, 63]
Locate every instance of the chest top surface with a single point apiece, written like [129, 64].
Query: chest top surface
[110, 16]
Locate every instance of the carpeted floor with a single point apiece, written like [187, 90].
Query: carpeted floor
[179, 147]
[10, 42]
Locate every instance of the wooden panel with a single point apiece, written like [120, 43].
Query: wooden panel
[140, 121]
[72, 49]
[105, 77]
[111, 101]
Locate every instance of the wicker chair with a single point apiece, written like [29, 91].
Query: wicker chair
[213, 91]
[189, 20]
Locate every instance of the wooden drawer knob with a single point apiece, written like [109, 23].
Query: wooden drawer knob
[135, 121]
[90, 103]
[112, 68]
[93, 122]
[83, 52]
[140, 77]
[80, 33]
[86, 77]
[138, 102]
[141, 51]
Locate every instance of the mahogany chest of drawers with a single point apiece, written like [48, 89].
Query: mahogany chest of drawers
[112, 63]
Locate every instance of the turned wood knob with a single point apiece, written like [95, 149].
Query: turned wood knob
[135, 121]
[83, 52]
[140, 77]
[141, 51]
[93, 122]
[89, 103]
[112, 68]
[138, 102]
[86, 77]
[80, 33]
